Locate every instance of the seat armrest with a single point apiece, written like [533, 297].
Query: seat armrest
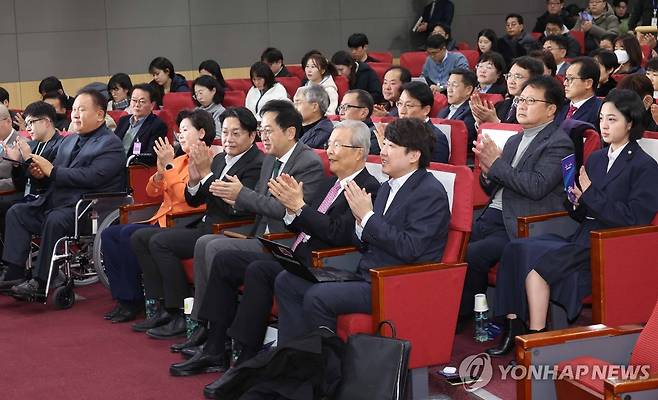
[107, 195]
[318, 255]
[173, 216]
[618, 387]
[218, 228]
[280, 236]
[136, 212]
[525, 223]
[527, 342]
[625, 231]
[8, 192]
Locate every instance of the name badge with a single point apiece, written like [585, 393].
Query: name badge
[137, 148]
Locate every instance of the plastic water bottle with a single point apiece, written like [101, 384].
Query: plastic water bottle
[481, 311]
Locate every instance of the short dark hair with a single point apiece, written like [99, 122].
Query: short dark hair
[491, 35]
[494, 58]
[4, 95]
[553, 90]
[214, 69]
[611, 37]
[518, 17]
[468, 77]
[56, 95]
[40, 109]
[209, 83]
[606, 58]
[554, 19]
[286, 115]
[546, 58]
[247, 120]
[436, 42]
[652, 64]
[342, 57]
[200, 119]
[405, 74]
[589, 69]
[261, 70]
[560, 40]
[357, 40]
[420, 92]
[148, 88]
[548, 1]
[632, 47]
[97, 97]
[413, 134]
[631, 107]
[446, 29]
[50, 84]
[530, 64]
[163, 64]
[615, 3]
[364, 99]
[120, 80]
[639, 83]
[271, 55]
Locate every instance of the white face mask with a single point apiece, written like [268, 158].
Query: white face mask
[622, 56]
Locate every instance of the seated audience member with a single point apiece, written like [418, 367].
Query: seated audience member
[123, 271]
[580, 83]
[416, 101]
[279, 130]
[601, 21]
[490, 71]
[52, 84]
[555, 27]
[461, 84]
[312, 103]
[629, 55]
[557, 46]
[652, 74]
[305, 58]
[140, 130]
[320, 71]
[358, 45]
[165, 78]
[521, 70]
[4, 99]
[208, 96]
[641, 85]
[607, 64]
[357, 105]
[440, 62]
[159, 251]
[8, 136]
[607, 42]
[358, 74]
[445, 31]
[91, 161]
[487, 41]
[119, 87]
[411, 197]
[57, 100]
[394, 78]
[622, 12]
[273, 57]
[516, 42]
[617, 188]
[212, 68]
[325, 222]
[264, 88]
[524, 178]
[546, 57]
[554, 8]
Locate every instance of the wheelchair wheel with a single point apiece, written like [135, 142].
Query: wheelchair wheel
[111, 219]
[64, 297]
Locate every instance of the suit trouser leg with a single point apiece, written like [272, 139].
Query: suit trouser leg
[4, 207]
[59, 223]
[139, 242]
[212, 247]
[201, 271]
[22, 221]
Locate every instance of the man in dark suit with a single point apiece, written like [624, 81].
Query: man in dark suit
[407, 224]
[436, 11]
[580, 83]
[524, 178]
[91, 161]
[461, 84]
[326, 222]
[139, 131]
[557, 45]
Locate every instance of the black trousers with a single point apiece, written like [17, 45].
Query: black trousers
[247, 321]
[488, 239]
[159, 253]
[4, 207]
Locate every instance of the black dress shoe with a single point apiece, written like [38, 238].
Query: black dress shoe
[191, 351]
[160, 318]
[174, 328]
[31, 288]
[198, 337]
[110, 314]
[514, 328]
[199, 364]
[8, 279]
[127, 313]
[210, 389]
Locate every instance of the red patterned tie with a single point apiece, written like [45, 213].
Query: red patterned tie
[324, 206]
[571, 111]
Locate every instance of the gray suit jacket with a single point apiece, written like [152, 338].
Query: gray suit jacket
[304, 165]
[6, 182]
[534, 186]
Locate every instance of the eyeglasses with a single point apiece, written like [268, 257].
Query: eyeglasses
[344, 107]
[400, 104]
[529, 100]
[337, 145]
[265, 131]
[452, 85]
[141, 102]
[486, 67]
[29, 123]
[569, 79]
[516, 77]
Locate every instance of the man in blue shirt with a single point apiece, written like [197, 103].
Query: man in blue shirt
[440, 62]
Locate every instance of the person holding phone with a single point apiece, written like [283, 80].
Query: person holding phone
[597, 21]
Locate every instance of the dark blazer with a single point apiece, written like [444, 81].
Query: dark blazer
[99, 167]
[534, 186]
[443, 11]
[283, 73]
[247, 169]
[604, 89]
[366, 79]
[414, 228]
[335, 227]
[441, 151]
[563, 69]
[152, 128]
[317, 136]
[588, 112]
[498, 88]
[20, 175]
[463, 113]
[503, 108]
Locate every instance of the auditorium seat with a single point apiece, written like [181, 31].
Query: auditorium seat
[385, 57]
[239, 84]
[462, 46]
[116, 114]
[325, 160]
[413, 61]
[176, 102]
[457, 135]
[494, 98]
[380, 69]
[169, 119]
[440, 102]
[580, 38]
[343, 86]
[471, 56]
[291, 83]
[234, 98]
[297, 71]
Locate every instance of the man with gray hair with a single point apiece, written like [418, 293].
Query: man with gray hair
[326, 222]
[7, 139]
[312, 102]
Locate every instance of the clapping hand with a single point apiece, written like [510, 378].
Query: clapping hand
[487, 152]
[288, 191]
[165, 152]
[585, 183]
[200, 161]
[359, 200]
[226, 189]
[42, 164]
[482, 110]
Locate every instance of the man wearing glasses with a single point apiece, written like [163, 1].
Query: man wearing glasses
[557, 45]
[554, 8]
[440, 62]
[139, 131]
[7, 138]
[461, 84]
[523, 178]
[358, 105]
[580, 83]
[597, 21]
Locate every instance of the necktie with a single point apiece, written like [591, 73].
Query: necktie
[324, 206]
[571, 112]
[511, 113]
[277, 168]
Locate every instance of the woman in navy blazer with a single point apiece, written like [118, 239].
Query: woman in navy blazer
[619, 187]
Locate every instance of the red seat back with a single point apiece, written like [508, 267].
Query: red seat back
[176, 102]
[297, 70]
[234, 98]
[413, 61]
[380, 69]
[494, 98]
[646, 54]
[116, 114]
[291, 83]
[138, 177]
[471, 56]
[239, 84]
[535, 35]
[462, 46]
[169, 119]
[646, 347]
[592, 142]
[325, 160]
[580, 38]
[343, 86]
[440, 102]
[457, 137]
[382, 56]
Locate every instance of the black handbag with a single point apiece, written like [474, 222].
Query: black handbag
[374, 366]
